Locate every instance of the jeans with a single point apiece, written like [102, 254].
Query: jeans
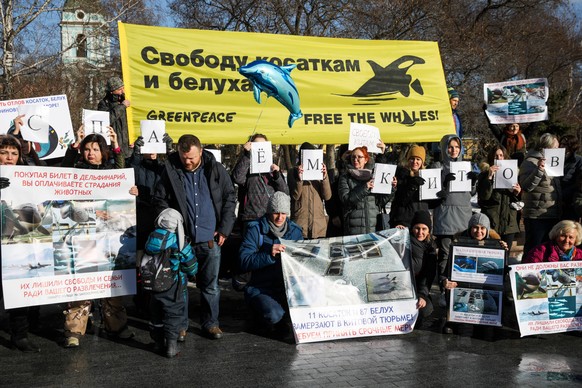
[207, 282]
[269, 306]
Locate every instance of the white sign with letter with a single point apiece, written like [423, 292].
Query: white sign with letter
[312, 162]
[364, 135]
[152, 132]
[96, 121]
[261, 157]
[383, 175]
[506, 176]
[555, 158]
[432, 184]
[462, 182]
[36, 122]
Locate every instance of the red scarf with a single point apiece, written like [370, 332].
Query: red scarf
[514, 143]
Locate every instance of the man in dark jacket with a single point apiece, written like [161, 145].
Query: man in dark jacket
[201, 190]
[115, 103]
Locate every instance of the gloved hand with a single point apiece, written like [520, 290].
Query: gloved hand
[169, 143]
[450, 177]
[418, 181]
[4, 182]
[472, 175]
[442, 194]
[137, 144]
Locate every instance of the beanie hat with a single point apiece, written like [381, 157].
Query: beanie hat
[422, 217]
[480, 219]
[416, 151]
[114, 83]
[279, 203]
[172, 221]
[452, 93]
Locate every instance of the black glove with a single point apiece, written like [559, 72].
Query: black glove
[4, 182]
[450, 177]
[169, 143]
[417, 181]
[137, 144]
[472, 175]
[442, 194]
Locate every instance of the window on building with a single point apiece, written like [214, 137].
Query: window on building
[81, 46]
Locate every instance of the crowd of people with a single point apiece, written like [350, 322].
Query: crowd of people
[272, 206]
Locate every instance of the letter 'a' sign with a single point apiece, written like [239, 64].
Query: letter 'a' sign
[261, 157]
[555, 157]
[152, 132]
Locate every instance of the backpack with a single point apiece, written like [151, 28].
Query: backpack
[158, 270]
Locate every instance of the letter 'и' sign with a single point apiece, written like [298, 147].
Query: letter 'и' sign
[432, 184]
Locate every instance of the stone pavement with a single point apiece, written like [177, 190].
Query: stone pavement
[472, 358]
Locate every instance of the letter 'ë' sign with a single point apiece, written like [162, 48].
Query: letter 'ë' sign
[432, 184]
[152, 132]
[261, 157]
[96, 121]
[312, 162]
[506, 176]
[555, 158]
[36, 122]
[383, 175]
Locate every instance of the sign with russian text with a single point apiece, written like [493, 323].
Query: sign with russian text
[506, 176]
[555, 158]
[60, 128]
[312, 162]
[67, 234]
[522, 101]
[351, 286]
[383, 176]
[96, 121]
[261, 157]
[362, 135]
[36, 118]
[190, 79]
[461, 182]
[547, 296]
[153, 132]
[432, 183]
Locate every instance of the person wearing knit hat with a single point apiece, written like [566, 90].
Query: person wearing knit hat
[454, 100]
[479, 226]
[423, 257]
[406, 199]
[260, 254]
[116, 104]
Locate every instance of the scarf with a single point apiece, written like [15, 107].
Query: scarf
[567, 256]
[360, 175]
[514, 143]
[278, 231]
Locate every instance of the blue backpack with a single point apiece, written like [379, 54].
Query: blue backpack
[159, 266]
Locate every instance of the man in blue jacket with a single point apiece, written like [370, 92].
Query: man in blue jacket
[199, 187]
[260, 253]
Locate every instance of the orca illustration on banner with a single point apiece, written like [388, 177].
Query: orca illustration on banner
[391, 79]
[275, 81]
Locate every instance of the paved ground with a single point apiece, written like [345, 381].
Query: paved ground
[423, 358]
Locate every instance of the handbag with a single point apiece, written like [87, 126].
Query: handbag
[382, 220]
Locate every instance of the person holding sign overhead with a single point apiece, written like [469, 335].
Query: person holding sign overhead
[542, 194]
[116, 104]
[308, 196]
[500, 205]
[254, 190]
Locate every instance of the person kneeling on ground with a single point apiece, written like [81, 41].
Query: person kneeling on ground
[479, 231]
[260, 252]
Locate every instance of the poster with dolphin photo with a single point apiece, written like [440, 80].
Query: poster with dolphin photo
[548, 296]
[351, 286]
[71, 238]
[520, 101]
[476, 306]
[479, 265]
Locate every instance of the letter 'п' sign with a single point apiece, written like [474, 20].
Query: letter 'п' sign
[96, 121]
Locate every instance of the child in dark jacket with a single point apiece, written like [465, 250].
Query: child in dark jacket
[167, 307]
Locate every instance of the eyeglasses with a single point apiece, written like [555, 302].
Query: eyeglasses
[357, 156]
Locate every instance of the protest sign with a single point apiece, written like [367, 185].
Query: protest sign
[261, 157]
[522, 101]
[190, 78]
[506, 176]
[352, 286]
[36, 118]
[362, 135]
[217, 154]
[96, 121]
[461, 182]
[69, 235]
[312, 162]
[546, 296]
[60, 131]
[432, 183]
[383, 176]
[555, 158]
[153, 132]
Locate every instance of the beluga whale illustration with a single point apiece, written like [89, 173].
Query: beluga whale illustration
[390, 80]
[276, 81]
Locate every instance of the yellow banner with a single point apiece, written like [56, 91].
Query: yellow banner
[190, 79]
